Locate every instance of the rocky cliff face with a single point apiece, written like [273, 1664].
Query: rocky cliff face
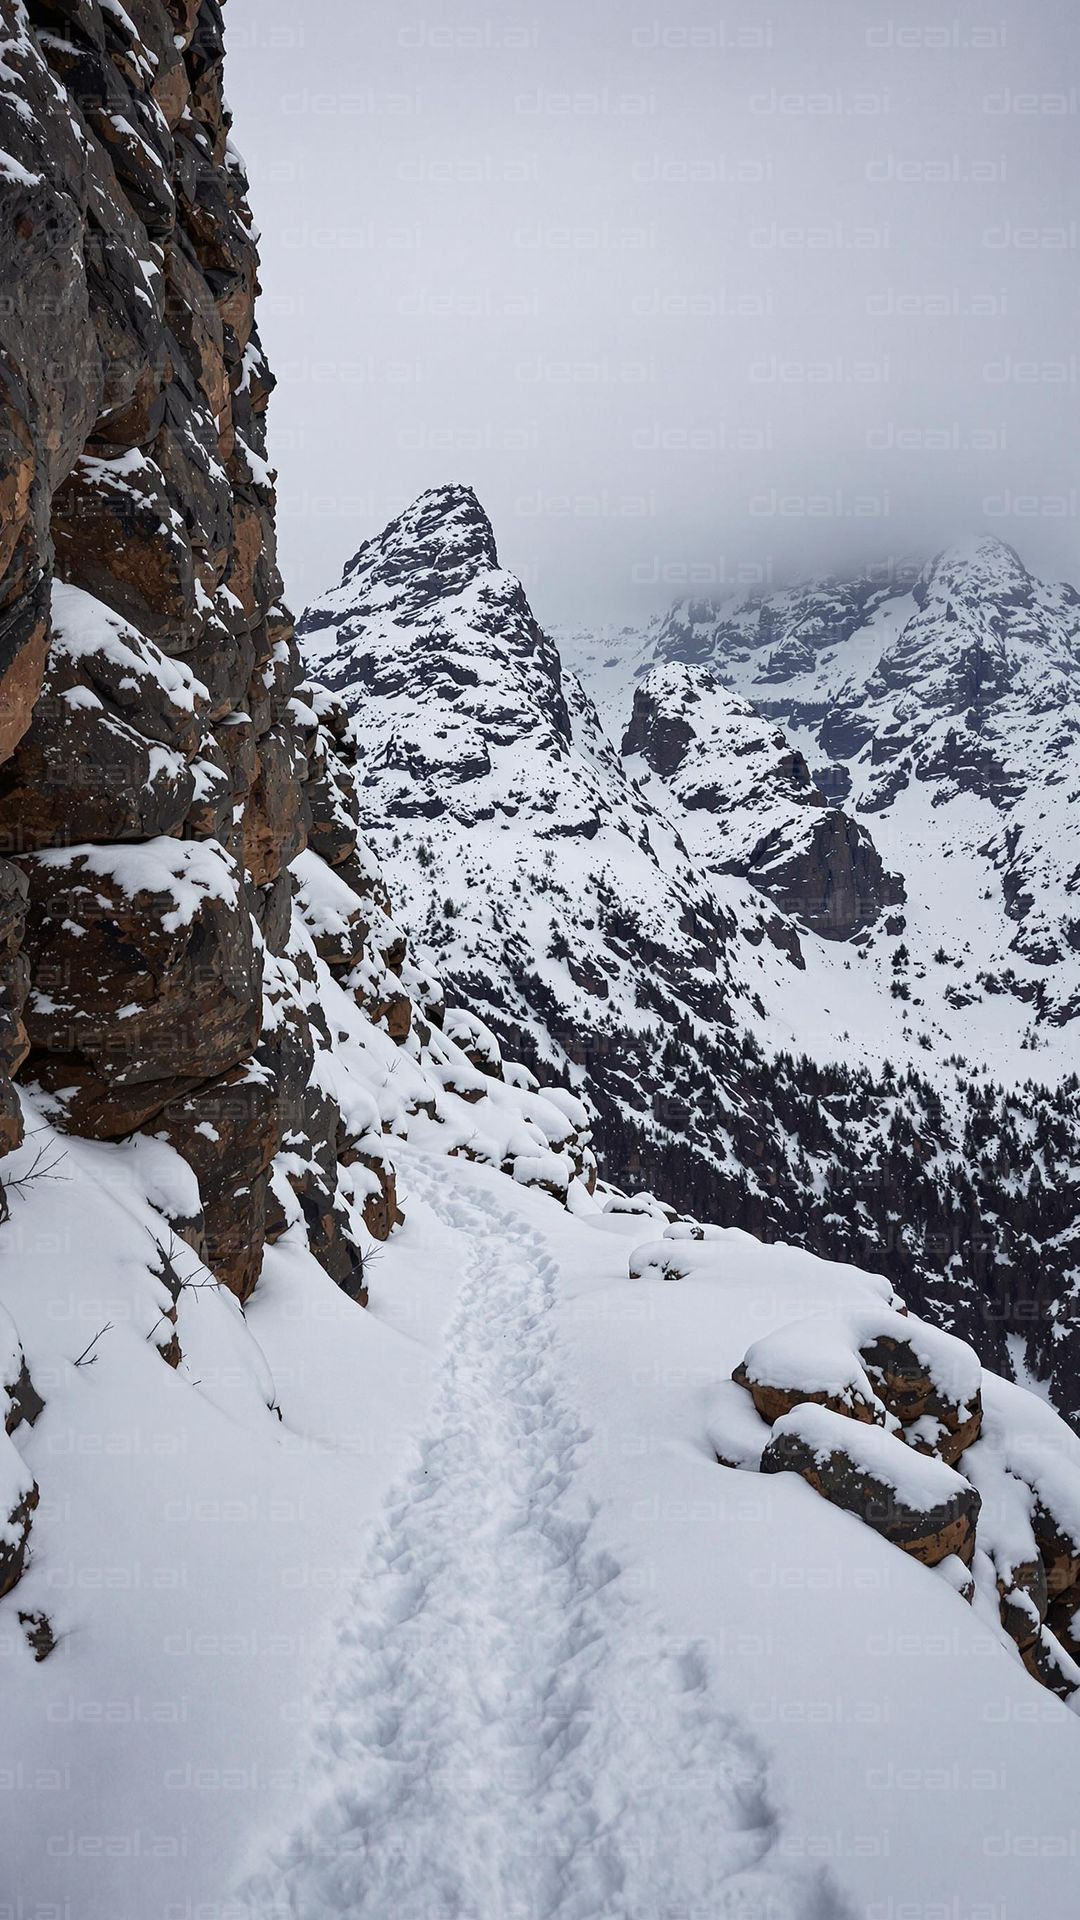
[161, 769]
[195, 945]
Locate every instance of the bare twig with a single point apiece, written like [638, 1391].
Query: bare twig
[82, 1360]
[34, 1172]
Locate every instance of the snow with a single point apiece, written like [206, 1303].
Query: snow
[447, 1606]
[976, 649]
[84, 627]
[13, 170]
[325, 903]
[919, 1481]
[187, 872]
[549, 1751]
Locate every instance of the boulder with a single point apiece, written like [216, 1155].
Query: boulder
[918, 1503]
[802, 1364]
[381, 1210]
[929, 1381]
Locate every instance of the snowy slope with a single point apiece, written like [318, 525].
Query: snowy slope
[448, 1604]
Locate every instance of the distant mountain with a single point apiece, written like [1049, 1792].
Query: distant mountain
[944, 711]
[783, 1002]
[745, 802]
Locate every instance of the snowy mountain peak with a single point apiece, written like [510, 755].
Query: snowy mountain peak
[945, 702]
[437, 547]
[445, 528]
[984, 568]
[428, 632]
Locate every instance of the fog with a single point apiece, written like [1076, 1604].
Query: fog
[693, 298]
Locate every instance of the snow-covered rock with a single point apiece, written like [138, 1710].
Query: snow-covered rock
[742, 800]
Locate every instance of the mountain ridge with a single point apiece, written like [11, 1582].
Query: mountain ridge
[686, 985]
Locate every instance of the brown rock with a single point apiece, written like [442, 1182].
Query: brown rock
[83, 774]
[381, 1210]
[193, 318]
[17, 469]
[24, 1402]
[52, 381]
[389, 1006]
[118, 536]
[252, 573]
[184, 13]
[773, 1402]
[228, 1132]
[1047, 1662]
[863, 1476]
[14, 986]
[1058, 1548]
[910, 1392]
[272, 907]
[13, 1551]
[39, 1633]
[273, 817]
[330, 802]
[14, 967]
[24, 643]
[145, 978]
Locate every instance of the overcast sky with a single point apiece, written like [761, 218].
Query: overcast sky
[691, 296]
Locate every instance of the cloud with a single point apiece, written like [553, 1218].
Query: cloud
[689, 298]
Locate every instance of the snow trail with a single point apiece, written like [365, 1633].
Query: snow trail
[506, 1734]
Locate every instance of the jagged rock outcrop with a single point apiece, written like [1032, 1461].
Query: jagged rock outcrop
[151, 796]
[923, 1507]
[745, 802]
